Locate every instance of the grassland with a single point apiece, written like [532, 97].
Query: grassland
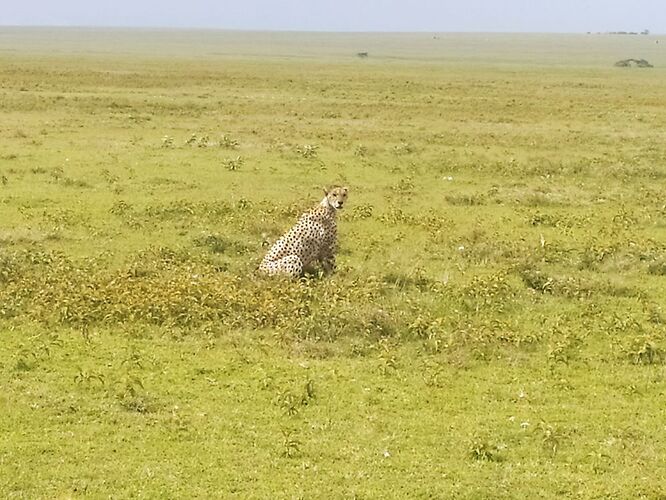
[496, 325]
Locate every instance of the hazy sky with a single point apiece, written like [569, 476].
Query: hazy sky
[346, 15]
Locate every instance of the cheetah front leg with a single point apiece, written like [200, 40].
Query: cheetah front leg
[328, 264]
[327, 260]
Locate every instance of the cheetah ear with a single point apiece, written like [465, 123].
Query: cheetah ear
[325, 191]
[345, 189]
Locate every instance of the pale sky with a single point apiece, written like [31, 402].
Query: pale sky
[566, 16]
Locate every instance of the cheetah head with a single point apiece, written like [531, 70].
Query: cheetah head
[335, 197]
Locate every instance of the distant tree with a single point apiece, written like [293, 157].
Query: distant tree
[638, 63]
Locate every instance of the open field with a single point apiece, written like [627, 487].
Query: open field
[497, 324]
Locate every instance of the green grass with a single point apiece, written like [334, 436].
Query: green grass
[496, 324]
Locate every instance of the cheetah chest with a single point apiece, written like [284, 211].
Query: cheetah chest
[311, 238]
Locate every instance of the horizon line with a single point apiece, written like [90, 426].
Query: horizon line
[322, 31]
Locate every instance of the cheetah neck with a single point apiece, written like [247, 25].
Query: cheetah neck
[326, 210]
[327, 205]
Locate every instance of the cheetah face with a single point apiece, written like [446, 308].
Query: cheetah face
[336, 197]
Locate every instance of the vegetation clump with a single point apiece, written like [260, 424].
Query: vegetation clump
[634, 63]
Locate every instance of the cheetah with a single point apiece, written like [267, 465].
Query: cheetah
[313, 238]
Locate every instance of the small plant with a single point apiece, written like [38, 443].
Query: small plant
[233, 164]
[243, 204]
[227, 142]
[405, 186]
[167, 142]
[25, 360]
[203, 142]
[563, 346]
[85, 333]
[645, 350]
[216, 243]
[87, 377]
[488, 293]
[291, 446]
[640, 343]
[361, 212]
[657, 267]
[550, 438]
[596, 253]
[388, 361]
[625, 218]
[307, 150]
[28, 356]
[57, 174]
[481, 450]
[433, 374]
[120, 207]
[467, 199]
[361, 151]
[404, 148]
[292, 402]
[131, 395]
[109, 177]
[544, 219]
[133, 361]
[289, 402]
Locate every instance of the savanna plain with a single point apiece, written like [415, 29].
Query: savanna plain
[496, 324]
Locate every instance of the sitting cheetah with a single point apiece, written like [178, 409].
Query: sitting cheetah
[313, 238]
